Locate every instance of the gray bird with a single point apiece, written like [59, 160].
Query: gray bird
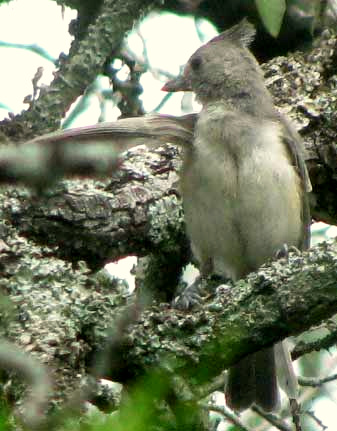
[244, 183]
[244, 186]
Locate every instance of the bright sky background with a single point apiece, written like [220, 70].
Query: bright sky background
[170, 40]
[42, 23]
[29, 22]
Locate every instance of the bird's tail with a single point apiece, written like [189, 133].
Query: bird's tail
[253, 381]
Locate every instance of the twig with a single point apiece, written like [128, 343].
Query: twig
[316, 382]
[156, 72]
[217, 384]
[315, 346]
[273, 419]
[315, 418]
[231, 417]
[29, 47]
[128, 90]
[295, 409]
[37, 377]
[40, 166]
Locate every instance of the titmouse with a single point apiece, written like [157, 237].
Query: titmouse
[244, 186]
[244, 182]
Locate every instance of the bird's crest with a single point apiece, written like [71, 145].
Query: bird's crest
[243, 33]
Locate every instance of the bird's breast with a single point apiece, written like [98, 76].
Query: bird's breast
[242, 197]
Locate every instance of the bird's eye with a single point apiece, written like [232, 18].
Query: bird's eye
[196, 63]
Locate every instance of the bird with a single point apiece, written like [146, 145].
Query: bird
[245, 190]
[244, 184]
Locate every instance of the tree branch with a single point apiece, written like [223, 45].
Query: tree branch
[239, 320]
[139, 212]
[316, 382]
[199, 345]
[324, 343]
[304, 87]
[14, 359]
[272, 419]
[85, 61]
[228, 415]
[136, 213]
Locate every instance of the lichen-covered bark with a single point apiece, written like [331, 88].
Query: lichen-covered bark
[61, 315]
[85, 61]
[238, 320]
[52, 308]
[137, 212]
[304, 86]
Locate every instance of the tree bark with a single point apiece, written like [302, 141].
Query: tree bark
[138, 211]
[61, 313]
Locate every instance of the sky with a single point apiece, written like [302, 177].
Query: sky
[43, 23]
[23, 22]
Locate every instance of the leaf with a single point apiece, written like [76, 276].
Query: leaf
[271, 13]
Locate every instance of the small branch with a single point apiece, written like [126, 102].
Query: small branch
[78, 70]
[231, 417]
[316, 382]
[315, 419]
[302, 348]
[273, 419]
[14, 359]
[217, 384]
[29, 47]
[127, 91]
[41, 166]
[295, 409]
[145, 64]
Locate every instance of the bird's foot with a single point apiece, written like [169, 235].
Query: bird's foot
[283, 252]
[190, 297]
[196, 293]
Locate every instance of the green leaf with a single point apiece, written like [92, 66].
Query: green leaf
[271, 13]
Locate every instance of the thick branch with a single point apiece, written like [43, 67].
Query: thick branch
[304, 87]
[62, 314]
[137, 213]
[238, 321]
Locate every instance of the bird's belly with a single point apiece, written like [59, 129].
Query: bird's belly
[239, 215]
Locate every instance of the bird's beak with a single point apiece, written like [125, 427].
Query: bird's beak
[178, 84]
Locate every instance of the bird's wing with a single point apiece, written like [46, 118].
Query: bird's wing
[296, 151]
[128, 132]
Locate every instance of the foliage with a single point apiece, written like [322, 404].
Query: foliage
[271, 13]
